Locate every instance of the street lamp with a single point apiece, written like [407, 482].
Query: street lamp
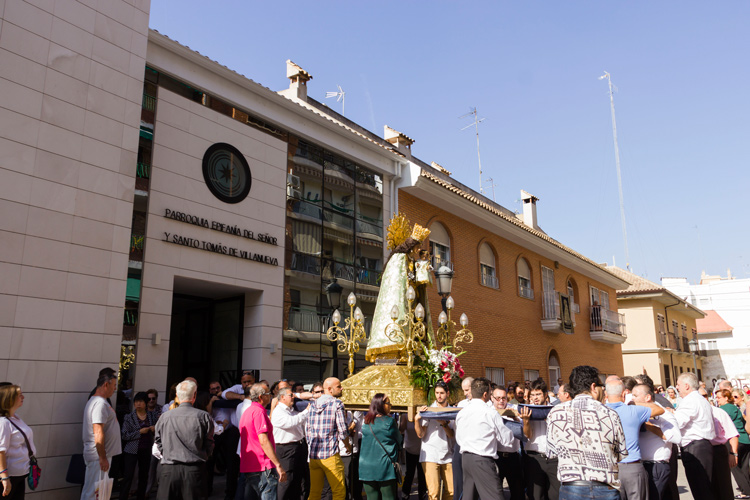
[693, 344]
[443, 281]
[333, 292]
[410, 330]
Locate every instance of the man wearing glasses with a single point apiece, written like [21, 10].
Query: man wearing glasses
[508, 457]
[289, 435]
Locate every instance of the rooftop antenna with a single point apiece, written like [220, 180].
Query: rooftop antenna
[476, 123]
[612, 88]
[491, 184]
[340, 96]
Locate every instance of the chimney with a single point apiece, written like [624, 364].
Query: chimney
[529, 209]
[298, 79]
[401, 141]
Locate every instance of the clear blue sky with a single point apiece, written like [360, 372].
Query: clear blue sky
[682, 71]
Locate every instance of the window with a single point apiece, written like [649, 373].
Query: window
[440, 246]
[554, 370]
[674, 327]
[683, 330]
[694, 333]
[530, 375]
[496, 375]
[662, 324]
[487, 266]
[572, 294]
[524, 279]
[667, 378]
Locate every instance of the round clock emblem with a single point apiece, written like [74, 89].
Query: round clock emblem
[226, 173]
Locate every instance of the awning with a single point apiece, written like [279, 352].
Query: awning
[133, 290]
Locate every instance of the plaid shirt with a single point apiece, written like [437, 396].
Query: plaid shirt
[325, 426]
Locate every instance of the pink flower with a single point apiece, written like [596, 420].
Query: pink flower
[446, 377]
[460, 373]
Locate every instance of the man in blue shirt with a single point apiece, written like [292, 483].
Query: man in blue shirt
[633, 476]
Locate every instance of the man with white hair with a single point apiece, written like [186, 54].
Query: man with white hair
[185, 438]
[695, 419]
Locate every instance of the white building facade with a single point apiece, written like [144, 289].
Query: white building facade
[728, 350]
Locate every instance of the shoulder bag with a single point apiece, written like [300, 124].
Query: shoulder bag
[396, 465]
[35, 472]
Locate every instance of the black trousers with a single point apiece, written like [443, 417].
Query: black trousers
[180, 482]
[509, 467]
[658, 479]
[17, 488]
[741, 473]
[230, 438]
[721, 477]
[412, 466]
[698, 460]
[541, 476]
[458, 475]
[130, 460]
[293, 459]
[480, 478]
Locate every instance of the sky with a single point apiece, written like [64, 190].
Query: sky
[681, 72]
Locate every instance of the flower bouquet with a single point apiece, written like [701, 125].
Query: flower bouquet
[432, 365]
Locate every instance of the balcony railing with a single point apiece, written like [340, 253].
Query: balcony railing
[525, 291]
[668, 341]
[364, 227]
[437, 263]
[305, 263]
[604, 320]
[338, 219]
[550, 305]
[312, 321]
[303, 207]
[148, 102]
[685, 345]
[369, 276]
[490, 281]
[143, 171]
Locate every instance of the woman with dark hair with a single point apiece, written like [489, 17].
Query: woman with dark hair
[381, 443]
[137, 436]
[15, 438]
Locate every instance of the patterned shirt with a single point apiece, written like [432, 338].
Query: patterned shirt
[588, 439]
[325, 426]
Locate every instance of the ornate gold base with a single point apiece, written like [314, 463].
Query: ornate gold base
[393, 380]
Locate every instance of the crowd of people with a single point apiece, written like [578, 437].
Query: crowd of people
[584, 438]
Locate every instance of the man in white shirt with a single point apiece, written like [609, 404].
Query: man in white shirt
[437, 450]
[458, 475]
[508, 457]
[291, 447]
[540, 472]
[479, 431]
[695, 419]
[656, 444]
[727, 434]
[237, 391]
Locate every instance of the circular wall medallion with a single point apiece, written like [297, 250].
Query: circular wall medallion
[226, 173]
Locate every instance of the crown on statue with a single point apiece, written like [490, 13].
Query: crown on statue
[420, 233]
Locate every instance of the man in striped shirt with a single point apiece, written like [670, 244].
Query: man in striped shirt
[325, 426]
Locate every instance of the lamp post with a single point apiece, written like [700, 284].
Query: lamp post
[353, 331]
[443, 281]
[693, 344]
[333, 293]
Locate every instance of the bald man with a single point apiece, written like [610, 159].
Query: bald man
[325, 427]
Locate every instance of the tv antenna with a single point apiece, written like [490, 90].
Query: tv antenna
[476, 123]
[491, 184]
[612, 88]
[340, 96]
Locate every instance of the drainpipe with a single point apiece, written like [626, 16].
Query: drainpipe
[394, 196]
[666, 321]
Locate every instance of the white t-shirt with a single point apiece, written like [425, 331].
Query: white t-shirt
[538, 442]
[98, 411]
[14, 445]
[437, 448]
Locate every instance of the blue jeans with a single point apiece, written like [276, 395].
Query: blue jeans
[260, 485]
[588, 493]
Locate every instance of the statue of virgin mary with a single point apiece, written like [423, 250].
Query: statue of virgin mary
[398, 275]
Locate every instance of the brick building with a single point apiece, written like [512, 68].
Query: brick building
[512, 280]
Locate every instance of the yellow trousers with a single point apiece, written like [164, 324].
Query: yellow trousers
[433, 473]
[331, 468]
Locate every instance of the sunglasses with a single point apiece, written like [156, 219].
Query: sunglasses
[152, 399]
[317, 392]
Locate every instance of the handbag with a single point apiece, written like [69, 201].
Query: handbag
[396, 465]
[103, 486]
[35, 472]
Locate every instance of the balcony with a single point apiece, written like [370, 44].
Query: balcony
[551, 316]
[369, 277]
[313, 322]
[607, 326]
[668, 341]
[306, 208]
[305, 263]
[526, 292]
[490, 281]
[369, 229]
